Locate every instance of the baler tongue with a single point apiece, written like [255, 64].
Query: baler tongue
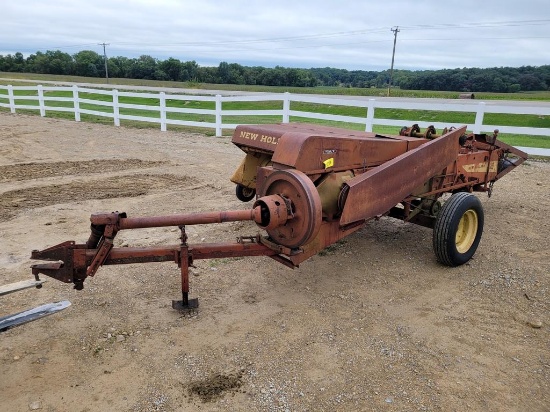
[60, 264]
[53, 266]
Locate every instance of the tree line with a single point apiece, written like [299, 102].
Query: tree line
[91, 64]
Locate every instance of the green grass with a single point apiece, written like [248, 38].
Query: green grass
[407, 116]
[375, 92]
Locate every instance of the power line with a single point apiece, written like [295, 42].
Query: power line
[319, 36]
[352, 33]
[476, 25]
[73, 45]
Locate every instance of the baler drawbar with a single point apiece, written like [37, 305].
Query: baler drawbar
[312, 186]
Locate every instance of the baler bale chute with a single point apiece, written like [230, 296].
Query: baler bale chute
[312, 186]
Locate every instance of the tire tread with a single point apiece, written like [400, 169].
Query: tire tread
[443, 226]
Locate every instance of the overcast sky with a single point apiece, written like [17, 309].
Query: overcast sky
[355, 35]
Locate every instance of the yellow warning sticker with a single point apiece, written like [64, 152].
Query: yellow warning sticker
[329, 162]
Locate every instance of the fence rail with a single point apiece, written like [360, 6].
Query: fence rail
[159, 112]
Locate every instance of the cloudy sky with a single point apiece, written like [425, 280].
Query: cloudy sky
[347, 34]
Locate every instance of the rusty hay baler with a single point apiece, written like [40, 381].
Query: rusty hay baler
[311, 187]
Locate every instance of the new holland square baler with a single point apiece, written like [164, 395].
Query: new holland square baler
[312, 186]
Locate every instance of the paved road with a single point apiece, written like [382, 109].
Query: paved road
[535, 151]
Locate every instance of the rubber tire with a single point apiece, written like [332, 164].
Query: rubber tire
[244, 194]
[446, 227]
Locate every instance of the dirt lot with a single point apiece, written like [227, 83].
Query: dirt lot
[374, 323]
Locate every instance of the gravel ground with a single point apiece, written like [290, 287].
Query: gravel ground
[372, 323]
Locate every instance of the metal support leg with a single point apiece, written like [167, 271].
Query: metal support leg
[185, 304]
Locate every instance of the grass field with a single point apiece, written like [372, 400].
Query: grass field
[407, 116]
[540, 95]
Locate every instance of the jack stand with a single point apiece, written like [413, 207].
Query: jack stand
[186, 304]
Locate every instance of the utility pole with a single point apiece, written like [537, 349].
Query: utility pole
[105, 59]
[395, 31]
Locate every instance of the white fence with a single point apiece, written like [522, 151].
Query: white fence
[161, 110]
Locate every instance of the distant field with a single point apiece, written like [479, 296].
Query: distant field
[542, 95]
[408, 116]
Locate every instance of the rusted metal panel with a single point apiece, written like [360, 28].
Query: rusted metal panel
[308, 147]
[309, 153]
[375, 192]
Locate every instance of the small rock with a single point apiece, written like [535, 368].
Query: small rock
[41, 361]
[109, 336]
[16, 357]
[33, 406]
[120, 338]
[535, 323]
[389, 400]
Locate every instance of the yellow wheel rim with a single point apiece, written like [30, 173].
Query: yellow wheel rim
[467, 231]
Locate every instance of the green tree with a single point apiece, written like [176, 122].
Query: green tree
[189, 71]
[88, 63]
[172, 69]
[144, 67]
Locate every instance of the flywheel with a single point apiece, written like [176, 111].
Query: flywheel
[303, 204]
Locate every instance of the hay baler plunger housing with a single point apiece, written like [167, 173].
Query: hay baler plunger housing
[313, 186]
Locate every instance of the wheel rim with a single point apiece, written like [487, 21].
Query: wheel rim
[248, 192]
[467, 231]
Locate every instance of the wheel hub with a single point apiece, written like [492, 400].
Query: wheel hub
[467, 230]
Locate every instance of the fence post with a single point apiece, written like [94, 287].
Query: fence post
[218, 115]
[162, 101]
[370, 116]
[41, 100]
[116, 111]
[76, 102]
[286, 107]
[479, 117]
[12, 100]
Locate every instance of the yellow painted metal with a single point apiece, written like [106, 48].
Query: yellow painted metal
[481, 167]
[467, 231]
[245, 174]
[329, 189]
